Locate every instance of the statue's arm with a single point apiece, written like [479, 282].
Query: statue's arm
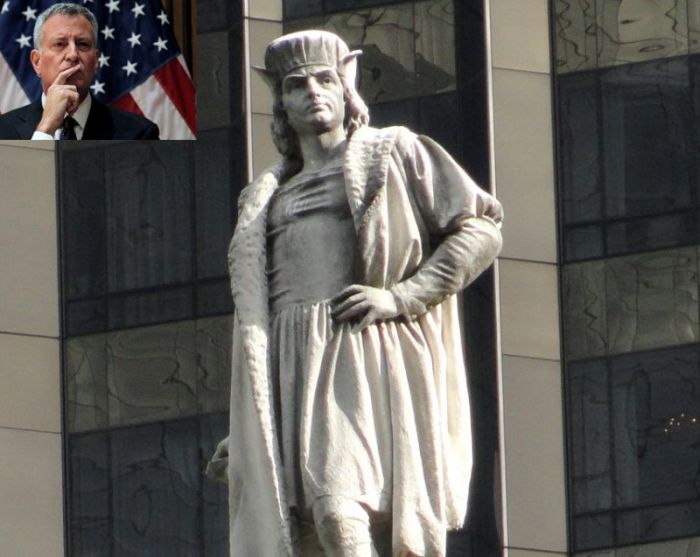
[463, 222]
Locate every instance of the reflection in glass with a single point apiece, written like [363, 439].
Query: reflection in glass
[407, 47]
[630, 303]
[579, 148]
[635, 447]
[145, 231]
[602, 33]
[640, 30]
[627, 173]
[652, 300]
[640, 104]
[140, 491]
[575, 35]
[148, 374]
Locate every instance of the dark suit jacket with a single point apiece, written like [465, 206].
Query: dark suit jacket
[104, 122]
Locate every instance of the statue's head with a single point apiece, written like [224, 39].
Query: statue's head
[297, 55]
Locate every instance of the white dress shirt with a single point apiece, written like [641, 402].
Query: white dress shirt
[80, 116]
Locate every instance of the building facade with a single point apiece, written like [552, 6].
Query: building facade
[582, 340]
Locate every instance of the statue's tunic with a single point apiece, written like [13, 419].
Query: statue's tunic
[423, 230]
[333, 411]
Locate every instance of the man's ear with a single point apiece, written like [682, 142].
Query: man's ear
[34, 57]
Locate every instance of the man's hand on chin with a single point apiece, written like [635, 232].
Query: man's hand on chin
[60, 99]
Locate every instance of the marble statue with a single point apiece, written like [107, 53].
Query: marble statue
[350, 429]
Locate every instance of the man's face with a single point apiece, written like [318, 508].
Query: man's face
[66, 41]
[312, 97]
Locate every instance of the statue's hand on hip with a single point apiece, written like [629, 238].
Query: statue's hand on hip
[217, 467]
[363, 304]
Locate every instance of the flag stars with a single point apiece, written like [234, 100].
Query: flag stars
[134, 39]
[130, 68]
[29, 13]
[163, 18]
[98, 87]
[88, 1]
[138, 10]
[108, 32]
[113, 6]
[24, 40]
[161, 44]
[5, 7]
[104, 60]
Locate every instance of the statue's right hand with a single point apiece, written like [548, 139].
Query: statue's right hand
[217, 467]
[61, 98]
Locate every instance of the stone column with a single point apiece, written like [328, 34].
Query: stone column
[31, 464]
[532, 437]
[263, 23]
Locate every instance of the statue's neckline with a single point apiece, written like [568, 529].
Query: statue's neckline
[332, 169]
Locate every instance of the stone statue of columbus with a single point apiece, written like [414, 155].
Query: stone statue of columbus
[350, 428]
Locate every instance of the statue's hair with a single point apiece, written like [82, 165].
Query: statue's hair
[285, 137]
[67, 9]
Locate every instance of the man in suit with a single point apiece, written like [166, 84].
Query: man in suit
[65, 58]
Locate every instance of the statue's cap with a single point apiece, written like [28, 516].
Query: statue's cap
[307, 48]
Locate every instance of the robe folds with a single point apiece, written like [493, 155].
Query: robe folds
[424, 231]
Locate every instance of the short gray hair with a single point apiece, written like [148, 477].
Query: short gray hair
[63, 8]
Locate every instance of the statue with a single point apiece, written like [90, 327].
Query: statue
[350, 429]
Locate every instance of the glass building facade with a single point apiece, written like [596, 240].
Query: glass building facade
[627, 152]
[146, 316]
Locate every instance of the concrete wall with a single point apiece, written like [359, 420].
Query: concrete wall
[31, 484]
[263, 23]
[534, 502]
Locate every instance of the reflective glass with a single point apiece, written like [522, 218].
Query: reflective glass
[143, 224]
[408, 48]
[591, 468]
[634, 441]
[148, 374]
[640, 104]
[630, 303]
[638, 30]
[147, 309]
[602, 33]
[579, 148]
[140, 491]
[583, 242]
[593, 531]
[626, 98]
[651, 233]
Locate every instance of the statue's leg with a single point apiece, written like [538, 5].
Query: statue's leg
[342, 526]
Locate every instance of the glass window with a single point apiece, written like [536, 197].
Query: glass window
[145, 230]
[147, 309]
[599, 33]
[634, 446]
[140, 491]
[627, 171]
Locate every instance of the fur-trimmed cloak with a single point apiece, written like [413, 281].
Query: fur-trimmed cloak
[424, 231]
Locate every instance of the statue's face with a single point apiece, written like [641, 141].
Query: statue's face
[312, 97]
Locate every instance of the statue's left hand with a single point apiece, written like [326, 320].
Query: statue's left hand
[365, 303]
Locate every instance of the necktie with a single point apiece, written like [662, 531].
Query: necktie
[68, 131]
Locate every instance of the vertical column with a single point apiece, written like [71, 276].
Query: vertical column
[263, 22]
[31, 485]
[533, 464]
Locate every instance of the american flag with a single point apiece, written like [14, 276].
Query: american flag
[141, 68]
